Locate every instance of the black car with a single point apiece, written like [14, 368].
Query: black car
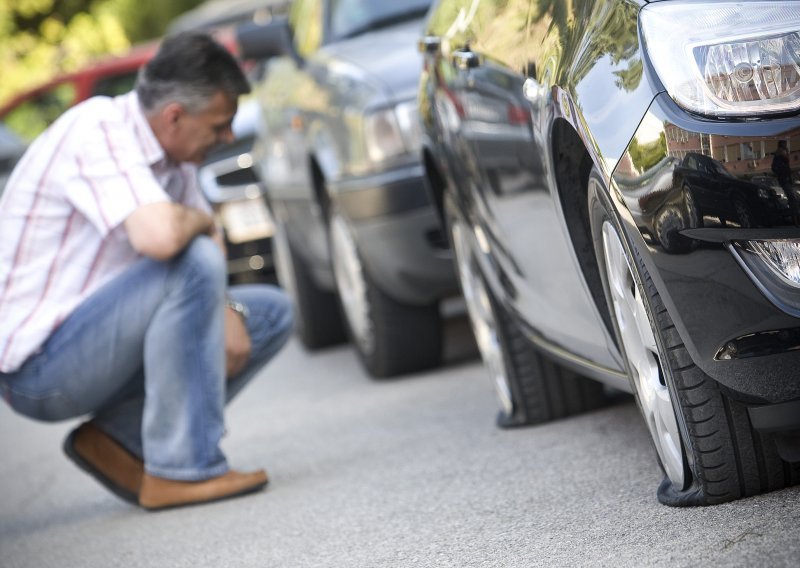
[727, 197]
[340, 157]
[558, 139]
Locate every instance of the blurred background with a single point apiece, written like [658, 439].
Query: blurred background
[43, 38]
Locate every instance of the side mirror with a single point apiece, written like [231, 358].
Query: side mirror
[262, 41]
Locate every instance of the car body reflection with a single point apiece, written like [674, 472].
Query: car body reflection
[691, 189]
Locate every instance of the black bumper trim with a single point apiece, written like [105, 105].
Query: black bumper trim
[390, 193]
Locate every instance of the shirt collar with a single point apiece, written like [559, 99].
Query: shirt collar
[153, 152]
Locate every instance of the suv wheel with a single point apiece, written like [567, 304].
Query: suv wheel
[318, 322]
[391, 338]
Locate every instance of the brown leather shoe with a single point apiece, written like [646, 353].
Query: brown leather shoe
[103, 458]
[161, 493]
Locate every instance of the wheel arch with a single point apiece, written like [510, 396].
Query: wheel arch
[323, 162]
[306, 221]
[319, 189]
[572, 165]
[435, 184]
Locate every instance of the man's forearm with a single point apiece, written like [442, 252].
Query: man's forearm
[162, 230]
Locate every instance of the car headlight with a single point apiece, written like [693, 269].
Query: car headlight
[779, 194]
[392, 132]
[726, 58]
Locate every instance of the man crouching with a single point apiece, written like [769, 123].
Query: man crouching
[113, 298]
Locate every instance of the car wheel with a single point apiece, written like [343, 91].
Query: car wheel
[669, 224]
[693, 216]
[530, 388]
[318, 322]
[703, 438]
[391, 338]
[674, 219]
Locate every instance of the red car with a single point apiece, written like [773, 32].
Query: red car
[31, 112]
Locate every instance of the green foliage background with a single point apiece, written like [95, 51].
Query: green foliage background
[645, 156]
[41, 38]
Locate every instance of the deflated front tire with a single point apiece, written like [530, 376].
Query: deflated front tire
[704, 439]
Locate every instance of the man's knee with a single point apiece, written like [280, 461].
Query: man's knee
[203, 259]
[282, 316]
[271, 314]
[281, 311]
[284, 307]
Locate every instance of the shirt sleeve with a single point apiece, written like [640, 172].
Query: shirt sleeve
[112, 178]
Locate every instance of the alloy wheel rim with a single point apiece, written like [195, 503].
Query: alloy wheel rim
[641, 352]
[481, 315]
[351, 284]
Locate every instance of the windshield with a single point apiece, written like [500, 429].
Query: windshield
[353, 17]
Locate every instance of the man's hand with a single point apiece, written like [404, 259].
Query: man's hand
[237, 343]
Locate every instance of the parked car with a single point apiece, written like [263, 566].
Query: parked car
[547, 128]
[727, 197]
[341, 165]
[235, 191]
[215, 14]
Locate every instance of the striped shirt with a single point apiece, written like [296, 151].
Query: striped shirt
[61, 215]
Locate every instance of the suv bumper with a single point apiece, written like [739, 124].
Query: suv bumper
[399, 234]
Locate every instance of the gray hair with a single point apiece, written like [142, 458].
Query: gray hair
[154, 94]
[189, 69]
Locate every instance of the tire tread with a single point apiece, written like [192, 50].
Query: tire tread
[722, 438]
[318, 322]
[542, 389]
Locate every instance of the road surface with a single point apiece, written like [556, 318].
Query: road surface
[407, 472]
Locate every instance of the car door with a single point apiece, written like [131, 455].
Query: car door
[715, 188]
[499, 153]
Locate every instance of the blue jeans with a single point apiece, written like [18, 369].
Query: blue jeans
[145, 355]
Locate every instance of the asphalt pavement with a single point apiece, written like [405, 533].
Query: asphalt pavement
[407, 472]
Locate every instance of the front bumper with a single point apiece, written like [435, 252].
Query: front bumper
[399, 234]
[235, 192]
[687, 224]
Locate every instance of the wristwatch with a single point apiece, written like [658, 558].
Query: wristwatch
[238, 307]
